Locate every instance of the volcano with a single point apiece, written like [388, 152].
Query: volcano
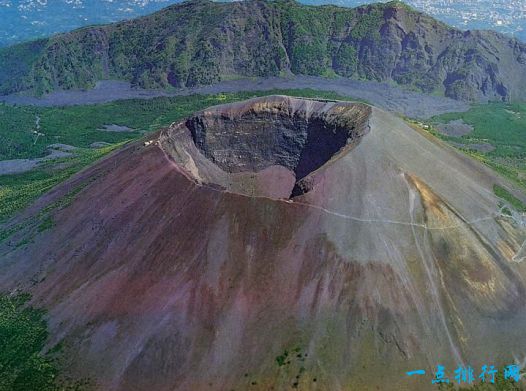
[275, 244]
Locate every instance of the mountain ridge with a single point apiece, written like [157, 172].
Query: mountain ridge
[221, 253]
[200, 42]
[31, 19]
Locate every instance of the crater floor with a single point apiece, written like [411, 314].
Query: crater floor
[160, 273]
[265, 146]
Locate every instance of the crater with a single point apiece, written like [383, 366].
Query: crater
[251, 143]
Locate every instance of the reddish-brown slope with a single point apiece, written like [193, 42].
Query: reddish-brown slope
[395, 258]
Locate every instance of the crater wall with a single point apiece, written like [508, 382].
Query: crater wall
[249, 141]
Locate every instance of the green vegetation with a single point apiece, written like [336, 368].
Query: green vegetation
[199, 43]
[17, 62]
[510, 198]
[503, 125]
[292, 365]
[23, 334]
[282, 358]
[500, 384]
[307, 37]
[346, 61]
[78, 126]
[17, 191]
[46, 224]
[368, 25]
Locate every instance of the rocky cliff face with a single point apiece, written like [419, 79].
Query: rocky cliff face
[300, 138]
[265, 147]
[172, 266]
[201, 42]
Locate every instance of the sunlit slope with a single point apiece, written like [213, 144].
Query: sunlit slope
[186, 266]
[201, 42]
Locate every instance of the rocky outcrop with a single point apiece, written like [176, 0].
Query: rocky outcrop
[277, 140]
[200, 42]
[163, 270]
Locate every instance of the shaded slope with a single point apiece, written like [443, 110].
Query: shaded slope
[201, 42]
[395, 258]
[265, 146]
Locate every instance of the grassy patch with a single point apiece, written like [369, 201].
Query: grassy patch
[78, 126]
[502, 125]
[500, 384]
[18, 191]
[23, 334]
[46, 224]
[510, 198]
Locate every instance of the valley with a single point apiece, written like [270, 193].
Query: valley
[495, 123]
[79, 127]
[185, 165]
[199, 43]
[262, 195]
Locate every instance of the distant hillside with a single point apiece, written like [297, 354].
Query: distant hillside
[32, 19]
[201, 42]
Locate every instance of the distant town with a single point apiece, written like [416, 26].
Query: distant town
[30, 19]
[505, 16]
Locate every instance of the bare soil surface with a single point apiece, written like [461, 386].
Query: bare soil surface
[19, 166]
[99, 144]
[152, 267]
[116, 128]
[388, 97]
[456, 128]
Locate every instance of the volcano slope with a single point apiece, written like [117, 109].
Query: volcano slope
[274, 244]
